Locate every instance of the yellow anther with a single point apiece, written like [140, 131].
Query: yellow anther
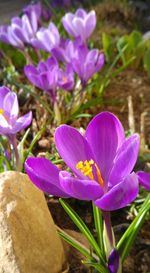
[79, 165]
[87, 169]
[1, 111]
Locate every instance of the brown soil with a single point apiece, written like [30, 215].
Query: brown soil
[135, 84]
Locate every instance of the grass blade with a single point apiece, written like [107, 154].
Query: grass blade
[83, 228]
[98, 220]
[125, 243]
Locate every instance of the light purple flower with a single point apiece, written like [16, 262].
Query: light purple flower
[39, 10]
[87, 62]
[33, 10]
[81, 24]
[10, 124]
[44, 76]
[102, 162]
[46, 38]
[21, 31]
[67, 50]
[66, 78]
[48, 76]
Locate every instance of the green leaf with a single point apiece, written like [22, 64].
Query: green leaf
[97, 266]
[107, 45]
[3, 160]
[36, 138]
[77, 245]
[147, 61]
[98, 220]
[127, 240]
[83, 228]
[135, 38]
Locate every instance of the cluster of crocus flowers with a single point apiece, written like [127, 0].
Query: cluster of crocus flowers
[48, 76]
[25, 30]
[10, 124]
[101, 160]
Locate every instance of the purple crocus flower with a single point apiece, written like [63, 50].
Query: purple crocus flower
[46, 38]
[67, 50]
[44, 76]
[66, 78]
[113, 261]
[87, 62]
[102, 162]
[10, 124]
[48, 76]
[81, 24]
[33, 10]
[21, 31]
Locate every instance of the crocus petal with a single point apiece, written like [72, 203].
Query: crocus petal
[144, 179]
[100, 62]
[125, 159]
[120, 195]
[105, 134]
[67, 23]
[3, 122]
[90, 23]
[32, 75]
[113, 261]
[78, 25]
[10, 104]
[22, 122]
[72, 147]
[79, 188]
[3, 92]
[81, 13]
[44, 175]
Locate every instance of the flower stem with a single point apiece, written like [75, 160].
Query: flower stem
[107, 221]
[13, 142]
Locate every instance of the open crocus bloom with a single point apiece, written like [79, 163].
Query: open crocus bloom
[10, 124]
[46, 38]
[81, 24]
[49, 77]
[44, 76]
[102, 161]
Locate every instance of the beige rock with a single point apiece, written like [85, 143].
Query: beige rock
[29, 242]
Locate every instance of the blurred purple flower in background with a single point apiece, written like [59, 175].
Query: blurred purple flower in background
[21, 31]
[66, 78]
[48, 76]
[10, 124]
[81, 24]
[44, 76]
[33, 10]
[87, 62]
[102, 162]
[62, 3]
[67, 50]
[46, 38]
